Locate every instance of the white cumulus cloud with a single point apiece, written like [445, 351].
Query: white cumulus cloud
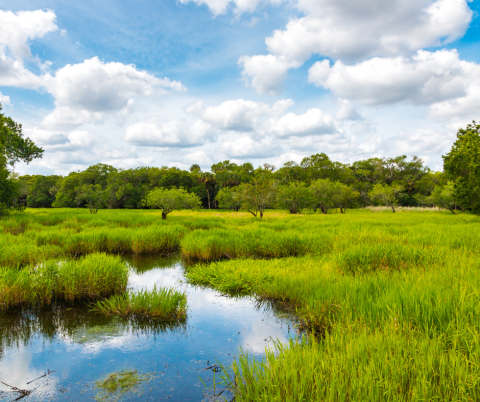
[313, 122]
[84, 92]
[238, 114]
[352, 30]
[436, 79]
[175, 134]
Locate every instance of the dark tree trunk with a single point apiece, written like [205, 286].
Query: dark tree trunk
[261, 214]
[393, 209]
[164, 215]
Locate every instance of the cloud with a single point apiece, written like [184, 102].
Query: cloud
[5, 100]
[437, 79]
[246, 147]
[16, 32]
[264, 73]
[423, 142]
[352, 30]
[347, 111]
[238, 115]
[19, 28]
[174, 134]
[45, 137]
[313, 122]
[240, 6]
[86, 91]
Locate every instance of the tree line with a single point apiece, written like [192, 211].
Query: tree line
[317, 182]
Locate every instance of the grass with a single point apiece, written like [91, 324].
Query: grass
[390, 301]
[89, 278]
[116, 385]
[392, 307]
[164, 303]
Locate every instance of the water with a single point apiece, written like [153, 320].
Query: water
[82, 347]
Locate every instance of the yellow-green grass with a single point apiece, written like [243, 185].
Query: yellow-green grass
[91, 277]
[162, 303]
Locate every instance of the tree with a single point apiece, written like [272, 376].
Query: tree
[387, 195]
[321, 192]
[343, 196]
[443, 197]
[169, 200]
[94, 196]
[195, 168]
[258, 195]
[293, 196]
[42, 191]
[14, 147]
[210, 182]
[229, 198]
[462, 165]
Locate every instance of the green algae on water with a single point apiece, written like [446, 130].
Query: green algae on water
[117, 384]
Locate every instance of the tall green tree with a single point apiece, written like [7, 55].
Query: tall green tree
[462, 165]
[14, 147]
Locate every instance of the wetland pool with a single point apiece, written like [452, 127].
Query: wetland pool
[74, 347]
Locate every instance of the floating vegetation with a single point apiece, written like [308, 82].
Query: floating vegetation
[117, 384]
[165, 303]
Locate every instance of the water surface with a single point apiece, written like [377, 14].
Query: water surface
[81, 346]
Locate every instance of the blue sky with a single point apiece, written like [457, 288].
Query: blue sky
[134, 83]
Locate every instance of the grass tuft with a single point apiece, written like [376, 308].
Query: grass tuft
[165, 303]
[91, 277]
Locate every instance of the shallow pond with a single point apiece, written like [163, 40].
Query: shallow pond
[74, 347]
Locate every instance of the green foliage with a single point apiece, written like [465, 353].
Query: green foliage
[293, 196]
[386, 195]
[169, 200]
[164, 303]
[94, 196]
[444, 197]
[14, 147]
[42, 191]
[462, 164]
[258, 195]
[229, 198]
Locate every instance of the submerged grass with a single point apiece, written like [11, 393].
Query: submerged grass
[116, 385]
[164, 303]
[89, 278]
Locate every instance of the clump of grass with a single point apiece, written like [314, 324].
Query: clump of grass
[165, 303]
[89, 278]
[115, 385]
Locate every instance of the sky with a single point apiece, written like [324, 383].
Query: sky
[175, 83]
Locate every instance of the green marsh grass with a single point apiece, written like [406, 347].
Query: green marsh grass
[164, 303]
[89, 278]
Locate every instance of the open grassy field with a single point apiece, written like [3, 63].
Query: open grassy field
[392, 300]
